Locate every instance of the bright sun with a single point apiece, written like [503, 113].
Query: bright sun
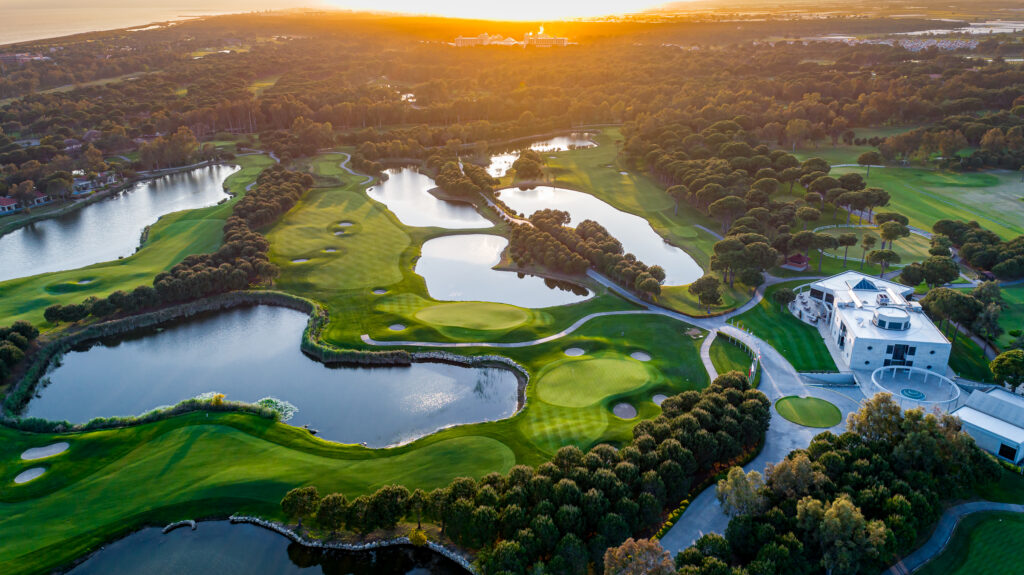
[533, 10]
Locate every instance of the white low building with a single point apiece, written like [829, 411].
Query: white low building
[871, 323]
[995, 419]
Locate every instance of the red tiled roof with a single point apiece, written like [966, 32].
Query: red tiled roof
[798, 259]
[7, 201]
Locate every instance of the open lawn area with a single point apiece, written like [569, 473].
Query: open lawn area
[1012, 316]
[993, 198]
[171, 238]
[983, 544]
[727, 356]
[798, 342]
[912, 248]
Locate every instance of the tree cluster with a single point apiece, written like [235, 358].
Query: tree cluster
[15, 340]
[563, 515]
[984, 249]
[848, 504]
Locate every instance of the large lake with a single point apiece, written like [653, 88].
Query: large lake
[405, 194]
[220, 548]
[635, 233]
[252, 353]
[110, 228]
[460, 268]
[501, 162]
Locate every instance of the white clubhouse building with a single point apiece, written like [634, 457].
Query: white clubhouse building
[870, 323]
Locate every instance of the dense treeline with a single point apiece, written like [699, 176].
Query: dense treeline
[848, 504]
[15, 340]
[983, 249]
[561, 516]
[604, 253]
[240, 261]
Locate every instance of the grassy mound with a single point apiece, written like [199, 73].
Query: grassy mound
[474, 315]
[578, 383]
[728, 356]
[808, 411]
[983, 544]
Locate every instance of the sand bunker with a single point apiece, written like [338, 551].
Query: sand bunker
[624, 173]
[344, 224]
[84, 282]
[624, 411]
[300, 260]
[380, 291]
[46, 451]
[659, 398]
[330, 250]
[640, 356]
[396, 327]
[29, 474]
[339, 233]
[574, 352]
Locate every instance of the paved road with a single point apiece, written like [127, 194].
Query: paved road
[943, 531]
[705, 354]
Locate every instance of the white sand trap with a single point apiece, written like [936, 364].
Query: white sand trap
[640, 356]
[380, 291]
[29, 474]
[344, 224]
[339, 233]
[300, 260]
[84, 282]
[659, 398]
[624, 173]
[45, 451]
[396, 327]
[330, 250]
[574, 351]
[624, 411]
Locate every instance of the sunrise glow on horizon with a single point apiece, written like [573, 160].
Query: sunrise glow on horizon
[523, 10]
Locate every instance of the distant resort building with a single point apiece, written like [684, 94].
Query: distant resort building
[83, 185]
[995, 419]
[538, 40]
[869, 323]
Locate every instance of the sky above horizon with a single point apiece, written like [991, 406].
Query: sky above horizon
[532, 10]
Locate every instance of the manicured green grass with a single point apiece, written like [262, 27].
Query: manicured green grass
[171, 238]
[1012, 317]
[968, 360]
[798, 342]
[982, 544]
[912, 248]
[993, 198]
[474, 315]
[679, 299]
[727, 356]
[808, 411]
[1009, 488]
[579, 382]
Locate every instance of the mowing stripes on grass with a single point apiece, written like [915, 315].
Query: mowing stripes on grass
[798, 342]
[808, 411]
[582, 382]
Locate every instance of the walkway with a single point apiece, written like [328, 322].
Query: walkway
[705, 354]
[944, 531]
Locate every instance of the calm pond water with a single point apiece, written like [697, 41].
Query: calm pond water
[635, 233]
[109, 228]
[220, 548]
[405, 194]
[251, 353]
[500, 163]
[459, 268]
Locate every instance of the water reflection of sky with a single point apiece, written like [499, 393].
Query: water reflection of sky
[405, 194]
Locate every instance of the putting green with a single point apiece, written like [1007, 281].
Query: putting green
[808, 411]
[578, 383]
[474, 315]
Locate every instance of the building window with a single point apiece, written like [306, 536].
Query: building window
[887, 363]
[816, 293]
[881, 323]
[929, 367]
[867, 362]
[911, 351]
[1007, 452]
[871, 347]
[888, 349]
[932, 352]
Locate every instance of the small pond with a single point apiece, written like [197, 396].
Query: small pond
[110, 228]
[220, 548]
[635, 233]
[460, 268]
[405, 193]
[252, 353]
[501, 162]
